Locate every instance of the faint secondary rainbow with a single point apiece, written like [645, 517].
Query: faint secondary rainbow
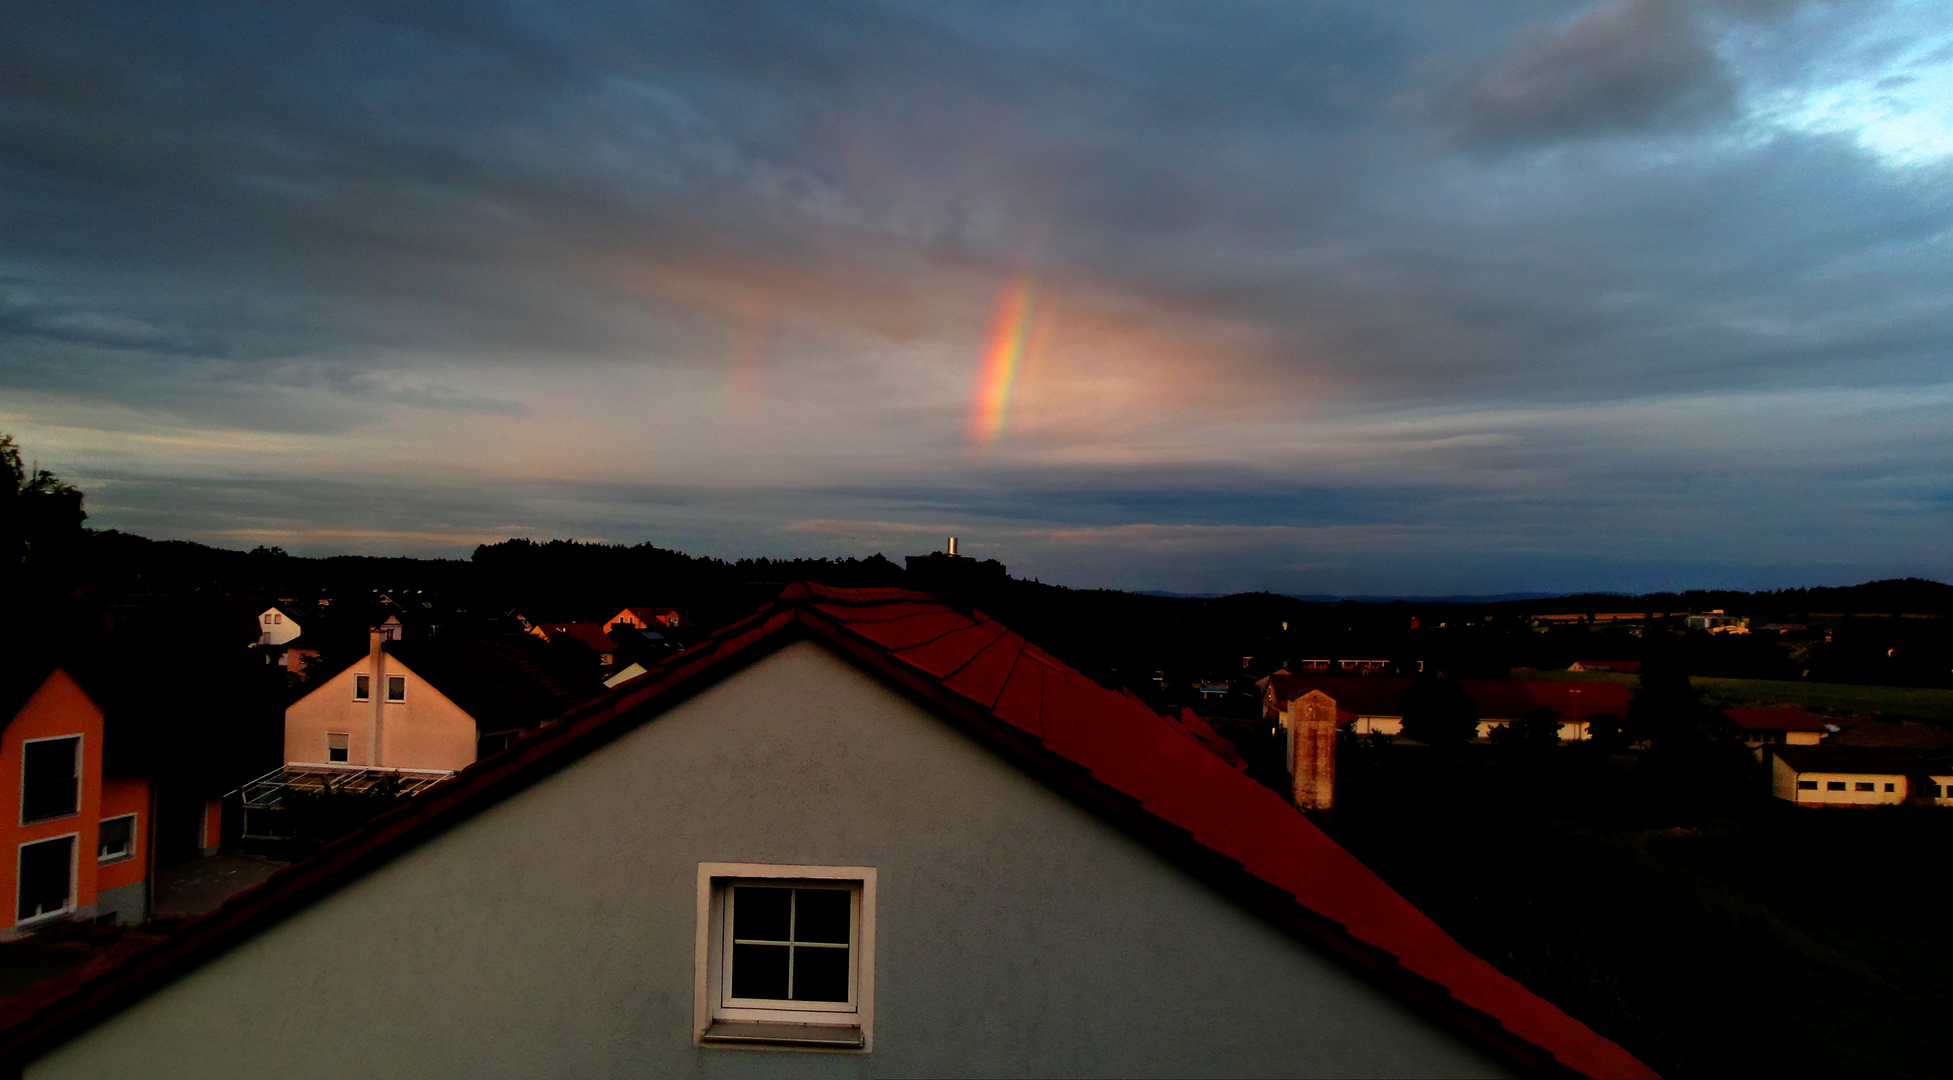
[1003, 356]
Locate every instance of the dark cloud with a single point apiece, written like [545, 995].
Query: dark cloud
[261, 267]
[1618, 65]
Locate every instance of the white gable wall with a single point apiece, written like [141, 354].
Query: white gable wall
[553, 934]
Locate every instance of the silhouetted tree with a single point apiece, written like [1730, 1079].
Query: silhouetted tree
[1537, 729]
[1438, 712]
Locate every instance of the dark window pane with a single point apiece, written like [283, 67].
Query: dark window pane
[822, 915]
[116, 835]
[761, 914]
[49, 787]
[396, 688]
[1834, 785]
[759, 971]
[820, 974]
[44, 876]
[1807, 785]
[360, 687]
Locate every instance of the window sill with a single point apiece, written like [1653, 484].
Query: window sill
[753, 1033]
[113, 859]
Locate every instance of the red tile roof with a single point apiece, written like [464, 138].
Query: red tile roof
[1777, 720]
[1202, 733]
[1103, 749]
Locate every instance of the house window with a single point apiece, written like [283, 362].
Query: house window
[1834, 785]
[495, 742]
[1889, 787]
[50, 781]
[117, 839]
[278, 620]
[786, 955]
[362, 688]
[396, 688]
[1864, 786]
[47, 878]
[1806, 785]
[338, 746]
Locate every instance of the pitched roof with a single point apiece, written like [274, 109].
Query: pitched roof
[1864, 759]
[503, 683]
[1777, 720]
[1108, 753]
[1190, 724]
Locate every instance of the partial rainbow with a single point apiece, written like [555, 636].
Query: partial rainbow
[1003, 356]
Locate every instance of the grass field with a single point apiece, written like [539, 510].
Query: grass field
[1834, 699]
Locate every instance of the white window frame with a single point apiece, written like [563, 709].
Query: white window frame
[100, 860]
[81, 758]
[346, 735]
[74, 883]
[357, 676]
[388, 690]
[720, 1021]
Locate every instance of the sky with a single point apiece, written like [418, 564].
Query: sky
[1413, 297]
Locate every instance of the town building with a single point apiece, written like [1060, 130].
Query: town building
[1374, 705]
[1620, 667]
[644, 618]
[409, 714]
[859, 822]
[278, 624]
[1779, 727]
[1859, 776]
[80, 842]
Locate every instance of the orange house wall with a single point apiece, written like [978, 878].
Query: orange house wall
[125, 795]
[59, 707]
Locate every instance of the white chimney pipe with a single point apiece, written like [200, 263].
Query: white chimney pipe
[952, 545]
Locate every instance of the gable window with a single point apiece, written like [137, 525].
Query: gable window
[1806, 785]
[362, 688]
[47, 879]
[396, 688]
[50, 780]
[786, 955]
[117, 839]
[338, 745]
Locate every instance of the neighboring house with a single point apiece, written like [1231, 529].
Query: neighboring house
[1719, 622]
[417, 711]
[277, 625]
[859, 823]
[1622, 667]
[1779, 727]
[1859, 776]
[590, 635]
[1374, 704]
[644, 618]
[78, 838]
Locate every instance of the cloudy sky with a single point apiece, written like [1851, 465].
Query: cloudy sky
[1408, 297]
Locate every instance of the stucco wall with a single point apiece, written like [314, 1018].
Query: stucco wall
[426, 731]
[57, 708]
[553, 934]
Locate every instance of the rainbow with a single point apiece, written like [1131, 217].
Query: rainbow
[1002, 357]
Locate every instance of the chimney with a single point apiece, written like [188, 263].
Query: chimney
[1312, 750]
[376, 663]
[952, 547]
